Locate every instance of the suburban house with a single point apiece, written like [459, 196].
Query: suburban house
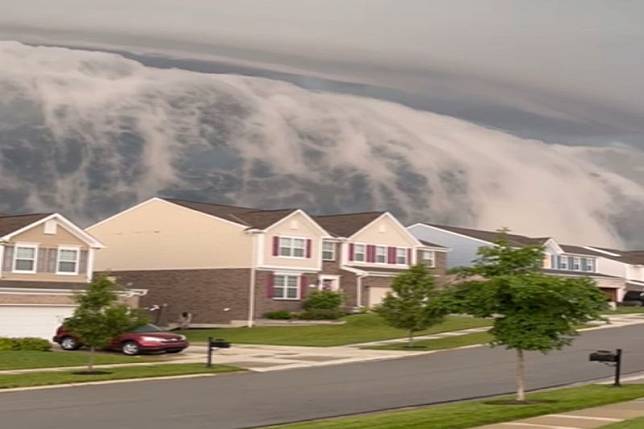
[610, 274]
[44, 258]
[228, 264]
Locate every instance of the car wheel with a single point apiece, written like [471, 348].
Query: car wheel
[69, 344]
[130, 348]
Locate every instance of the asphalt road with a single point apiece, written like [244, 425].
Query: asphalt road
[255, 399]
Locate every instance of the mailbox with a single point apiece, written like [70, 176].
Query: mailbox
[219, 343]
[603, 356]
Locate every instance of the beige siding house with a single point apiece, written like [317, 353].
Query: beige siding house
[44, 259]
[228, 264]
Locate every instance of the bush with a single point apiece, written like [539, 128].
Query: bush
[321, 314]
[323, 300]
[279, 315]
[25, 344]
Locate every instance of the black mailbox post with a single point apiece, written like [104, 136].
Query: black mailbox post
[213, 344]
[608, 357]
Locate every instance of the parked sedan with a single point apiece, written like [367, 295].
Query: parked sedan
[144, 339]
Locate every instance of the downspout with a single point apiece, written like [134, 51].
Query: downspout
[359, 292]
[251, 286]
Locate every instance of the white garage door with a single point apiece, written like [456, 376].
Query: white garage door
[377, 294]
[32, 321]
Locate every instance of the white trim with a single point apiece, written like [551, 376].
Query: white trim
[1, 258]
[33, 246]
[606, 252]
[90, 264]
[334, 277]
[39, 305]
[37, 291]
[450, 232]
[255, 239]
[325, 233]
[76, 249]
[70, 226]
[301, 270]
[396, 221]
[553, 241]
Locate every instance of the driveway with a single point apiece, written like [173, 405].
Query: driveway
[255, 399]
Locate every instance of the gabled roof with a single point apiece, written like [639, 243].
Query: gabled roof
[493, 236]
[430, 244]
[569, 248]
[345, 225]
[12, 223]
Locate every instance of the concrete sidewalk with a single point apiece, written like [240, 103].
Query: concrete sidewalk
[581, 419]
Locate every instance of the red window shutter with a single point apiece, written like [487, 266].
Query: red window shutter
[371, 253]
[269, 285]
[351, 250]
[308, 248]
[409, 256]
[304, 284]
[391, 257]
[276, 246]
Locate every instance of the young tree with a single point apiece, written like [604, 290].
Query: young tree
[532, 311]
[413, 305]
[100, 317]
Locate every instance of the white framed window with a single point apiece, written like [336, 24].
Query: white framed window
[328, 251]
[286, 286]
[576, 263]
[381, 254]
[401, 256]
[68, 260]
[359, 252]
[292, 247]
[563, 262]
[588, 264]
[428, 258]
[25, 258]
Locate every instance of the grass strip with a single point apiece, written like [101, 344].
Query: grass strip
[360, 328]
[439, 343]
[34, 359]
[120, 373]
[477, 413]
[628, 424]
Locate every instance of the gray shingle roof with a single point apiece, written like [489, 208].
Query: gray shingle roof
[12, 223]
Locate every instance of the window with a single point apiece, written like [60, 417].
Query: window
[328, 251]
[286, 287]
[576, 263]
[67, 261]
[293, 247]
[359, 252]
[381, 254]
[401, 256]
[427, 257]
[563, 262]
[24, 260]
[588, 264]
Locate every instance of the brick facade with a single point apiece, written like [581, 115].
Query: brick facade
[265, 304]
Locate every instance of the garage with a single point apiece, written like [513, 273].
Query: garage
[32, 320]
[377, 295]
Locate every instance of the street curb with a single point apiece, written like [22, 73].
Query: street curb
[125, 380]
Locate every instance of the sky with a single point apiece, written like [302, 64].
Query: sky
[563, 73]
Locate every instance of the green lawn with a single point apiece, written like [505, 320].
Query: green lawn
[32, 359]
[629, 424]
[626, 310]
[477, 413]
[440, 343]
[120, 373]
[359, 328]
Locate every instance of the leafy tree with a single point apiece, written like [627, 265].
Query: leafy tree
[415, 304]
[532, 311]
[100, 317]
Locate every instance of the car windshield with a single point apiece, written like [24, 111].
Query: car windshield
[147, 328]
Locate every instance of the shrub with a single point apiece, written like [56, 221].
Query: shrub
[323, 300]
[279, 315]
[321, 314]
[24, 344]
[6, 344]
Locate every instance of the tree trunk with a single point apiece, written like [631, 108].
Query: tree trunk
[410, 340]
[90, 363]
[520, 376]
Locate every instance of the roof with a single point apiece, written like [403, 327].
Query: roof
[430, 244]
[569, 248]
[493, 236]
[345, 225]
[576, 273]
[250, 217]
[12, 223]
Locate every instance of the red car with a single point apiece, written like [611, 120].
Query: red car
[147, 338]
